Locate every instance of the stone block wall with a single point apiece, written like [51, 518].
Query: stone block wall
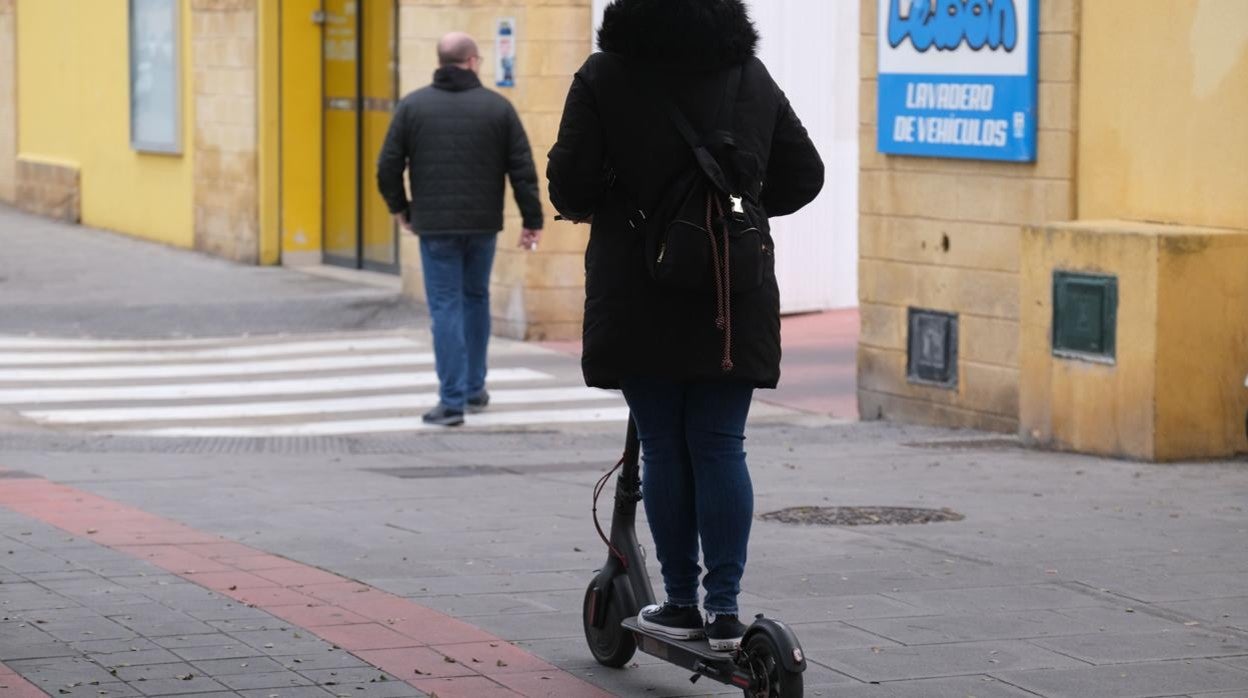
[534, 295]
[49, 189]
[945, 234]
[8, 102]
[226, 146]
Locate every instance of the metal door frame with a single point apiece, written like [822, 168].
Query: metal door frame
[359, 262]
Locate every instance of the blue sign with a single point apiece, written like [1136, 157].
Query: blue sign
[957, 78]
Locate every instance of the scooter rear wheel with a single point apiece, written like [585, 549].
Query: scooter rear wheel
[763, 658]
[612, 645]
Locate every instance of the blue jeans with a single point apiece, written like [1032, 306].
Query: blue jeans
[457, 288]
[695, 483]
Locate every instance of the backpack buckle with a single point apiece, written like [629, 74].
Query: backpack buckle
[738, 207]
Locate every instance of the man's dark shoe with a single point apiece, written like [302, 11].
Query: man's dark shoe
[444, 416]
[477, 402]
[676, 622]
[723, 631]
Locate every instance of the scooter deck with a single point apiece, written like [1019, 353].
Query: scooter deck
[667, 648]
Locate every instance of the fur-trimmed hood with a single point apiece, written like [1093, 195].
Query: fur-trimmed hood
[696, 34]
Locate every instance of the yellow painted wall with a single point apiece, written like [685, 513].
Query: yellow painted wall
[944, 234]
[1175, 389]
[1163, 112]
[73, 106]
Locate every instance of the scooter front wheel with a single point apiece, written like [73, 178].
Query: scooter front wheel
[612, 645]
[774, 681]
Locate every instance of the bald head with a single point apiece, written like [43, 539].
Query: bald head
[456, 48]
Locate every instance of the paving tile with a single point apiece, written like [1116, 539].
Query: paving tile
[177, 687]
[955, 687]
[303, 575]
[550, 684]
[1119, 648]
[411, 663]
[136, 658]
[42, 650]
[175, 642]
[235, 650]
[365, 636]
[291, 692]
[1129, 681]
[332, 659]
[436, 629]
[271, 596]
[151, 672]
[275, 679]
[217, 668]
[276, 642]
[230, 580]
[493, 657]
[15, 687]
[934, 661]
[316, 616]
[379, 689]
[465, 687]
[922, 630]
[1032, 597]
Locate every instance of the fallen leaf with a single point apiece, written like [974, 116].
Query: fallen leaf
[501, 663]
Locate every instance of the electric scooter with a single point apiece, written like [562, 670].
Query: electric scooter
[768, 664]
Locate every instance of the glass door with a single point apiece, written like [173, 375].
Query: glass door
[360, 90]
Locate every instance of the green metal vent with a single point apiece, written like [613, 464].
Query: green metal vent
[1085, 316]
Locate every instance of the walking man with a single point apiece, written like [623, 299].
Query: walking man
[458, 141]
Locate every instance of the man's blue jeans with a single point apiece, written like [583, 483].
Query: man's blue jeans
[695, 483]
[457, 288]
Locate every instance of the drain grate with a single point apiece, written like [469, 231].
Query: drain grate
[861, 516]
[444, 471]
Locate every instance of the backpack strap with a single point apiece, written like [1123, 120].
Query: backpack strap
[723, 135]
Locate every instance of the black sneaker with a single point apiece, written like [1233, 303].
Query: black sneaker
[477, 402]
[675, 622]
[723, 632]
[444, 416]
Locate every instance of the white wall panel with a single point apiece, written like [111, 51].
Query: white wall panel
[811, 49]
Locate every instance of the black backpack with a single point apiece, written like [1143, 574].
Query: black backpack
[708, 231]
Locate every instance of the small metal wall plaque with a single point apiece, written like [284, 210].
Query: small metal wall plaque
[932, 348]
[1085, 316]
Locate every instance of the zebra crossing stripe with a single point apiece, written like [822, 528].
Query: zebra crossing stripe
[378, 426]
[159, 352]
[249, 388]
[410, 401]
[208, 370]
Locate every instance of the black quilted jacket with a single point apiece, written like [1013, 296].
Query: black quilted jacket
[613, 121]
[458, 140]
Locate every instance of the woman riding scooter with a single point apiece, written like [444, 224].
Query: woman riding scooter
[687, 360]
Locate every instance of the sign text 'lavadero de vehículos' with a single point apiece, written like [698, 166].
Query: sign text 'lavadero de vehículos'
[957, 78]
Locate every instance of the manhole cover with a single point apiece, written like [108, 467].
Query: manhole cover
[861, 516]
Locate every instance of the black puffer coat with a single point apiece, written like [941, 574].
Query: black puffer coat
[614, 121]
[457, 140]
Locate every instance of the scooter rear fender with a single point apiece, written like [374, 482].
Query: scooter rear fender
[791, 655]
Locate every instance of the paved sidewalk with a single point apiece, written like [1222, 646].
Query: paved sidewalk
[454, 562]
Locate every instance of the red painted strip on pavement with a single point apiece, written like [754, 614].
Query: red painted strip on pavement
[428, 649]
[12, 685]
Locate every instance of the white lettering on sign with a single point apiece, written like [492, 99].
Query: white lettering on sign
[949, 96]
[950, 130]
